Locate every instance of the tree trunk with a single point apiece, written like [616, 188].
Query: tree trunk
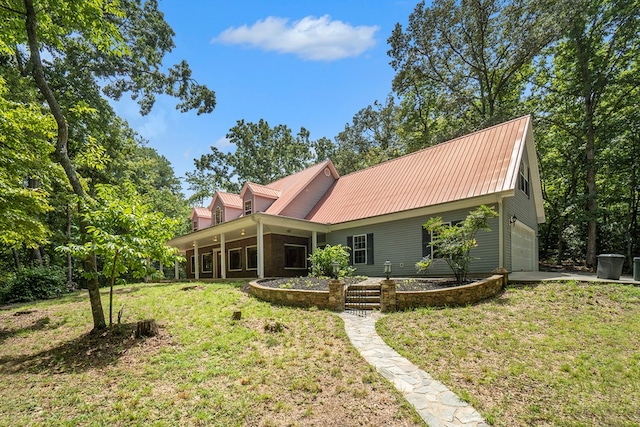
[16, 259]
[113, 278]
[61, 151]
[70, 283]
[36, 256]
[589, 99]
[146, 328]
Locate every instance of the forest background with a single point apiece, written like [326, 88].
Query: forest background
[66, 156]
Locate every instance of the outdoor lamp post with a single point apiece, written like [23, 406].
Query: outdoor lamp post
[387, 268]
[336, 269]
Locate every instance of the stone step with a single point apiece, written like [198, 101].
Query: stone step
[362, 306]
[363, 292]
[355, 300]
[364, 286]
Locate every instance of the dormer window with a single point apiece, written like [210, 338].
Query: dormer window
[218, 217]
[247, 207]
[524, 178]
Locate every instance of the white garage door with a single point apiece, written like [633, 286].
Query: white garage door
[523, 244]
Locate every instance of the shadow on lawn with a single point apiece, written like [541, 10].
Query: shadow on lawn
[88, 351]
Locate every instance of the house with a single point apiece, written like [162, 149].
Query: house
[270, 230]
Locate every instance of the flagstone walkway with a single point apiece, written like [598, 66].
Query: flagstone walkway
[436, 404]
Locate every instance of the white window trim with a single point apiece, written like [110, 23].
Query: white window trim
[524, 179]
[448, 224]
[365, 249]
[215, 216]
[202, 270]
[193, 264]
[229, 259]
[250, 210]
[306, 255]
[246, 257]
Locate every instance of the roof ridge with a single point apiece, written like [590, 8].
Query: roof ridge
[467, 135]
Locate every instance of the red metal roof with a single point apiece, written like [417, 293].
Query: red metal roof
[290, 186]
[477, 164]
[200, 212]
[260, 190]
[229, 199]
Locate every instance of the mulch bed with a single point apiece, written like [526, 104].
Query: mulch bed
[317, 284]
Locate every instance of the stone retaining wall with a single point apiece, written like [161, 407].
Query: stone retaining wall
[292, 297]
[334, 300]
[459, 295]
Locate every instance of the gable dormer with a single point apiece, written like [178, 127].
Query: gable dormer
[257, 198]
[225, 207]
[200, 218]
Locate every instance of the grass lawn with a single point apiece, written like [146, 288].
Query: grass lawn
[202, 369]
[564, 354]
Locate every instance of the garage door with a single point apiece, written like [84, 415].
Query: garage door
[523, 244]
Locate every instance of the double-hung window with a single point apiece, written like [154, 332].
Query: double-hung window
[251, 253]
[218, 215]
[207, 263]
[247, 207]
[360, 249]
[524, 178]
[235, 259]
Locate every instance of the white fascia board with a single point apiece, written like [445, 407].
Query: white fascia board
[425, 211]
[536, 185]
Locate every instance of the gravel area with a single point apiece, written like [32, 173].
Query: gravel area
[317, 284]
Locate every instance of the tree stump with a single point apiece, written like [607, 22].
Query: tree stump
[237, 315]
[147, 328]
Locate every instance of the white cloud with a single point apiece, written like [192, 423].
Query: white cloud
[224, 144]
[316, 39]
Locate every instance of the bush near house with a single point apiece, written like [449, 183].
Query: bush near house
[453, 243]
[322, 260]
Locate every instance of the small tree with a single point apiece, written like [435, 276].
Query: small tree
[454, 242]
[322, 261]
[126, 233]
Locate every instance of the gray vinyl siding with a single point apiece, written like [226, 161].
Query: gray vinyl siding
[401, 243]
[302, 204]
[524, 209]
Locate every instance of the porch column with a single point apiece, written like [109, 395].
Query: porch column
[223, 257]
[176, 270]
[500, 234]
[260, 243]
[314, 241]
[196, 260]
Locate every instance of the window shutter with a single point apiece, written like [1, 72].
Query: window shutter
[370, 248]
[426, 240]
[350, 244]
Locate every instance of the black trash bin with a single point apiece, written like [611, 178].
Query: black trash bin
[610, 266]
[636, 269]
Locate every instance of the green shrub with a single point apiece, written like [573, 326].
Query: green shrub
[34, 283]
[453, 243]
[322, 261]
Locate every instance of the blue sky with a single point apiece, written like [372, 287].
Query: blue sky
[294, 62]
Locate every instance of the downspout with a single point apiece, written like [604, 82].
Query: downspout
[500, 233]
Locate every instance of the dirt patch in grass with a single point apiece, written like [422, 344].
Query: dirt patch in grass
[552, 354]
